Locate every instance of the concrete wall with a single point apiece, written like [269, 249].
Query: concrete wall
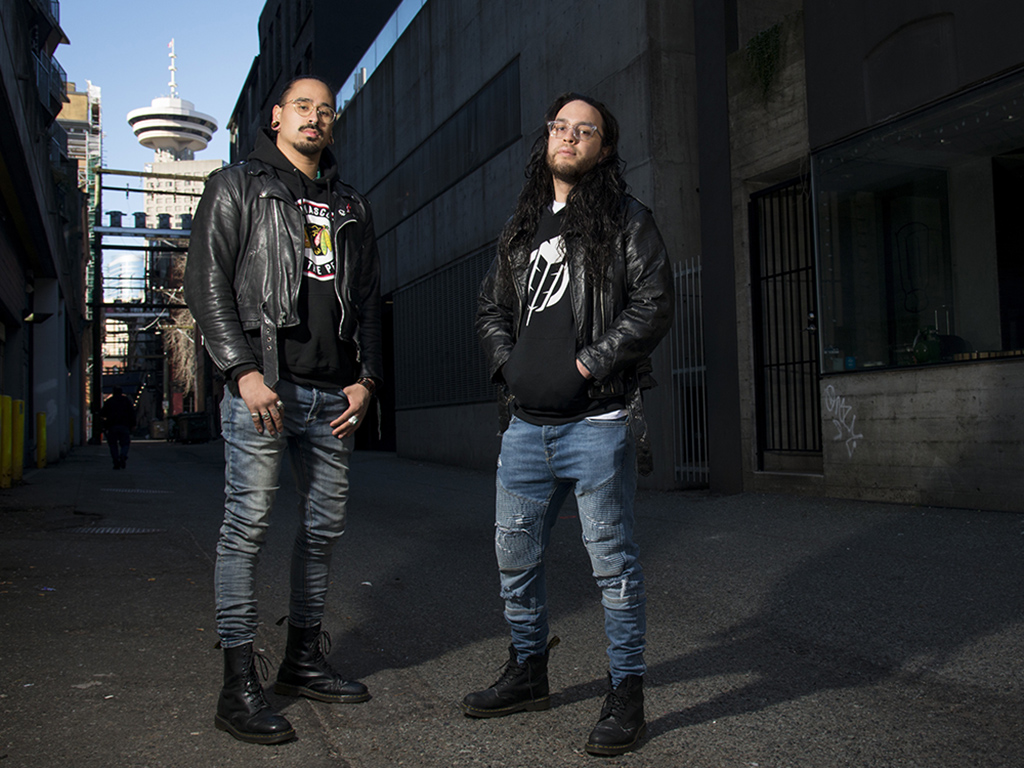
[636, 57]
[947, 435]
[944, 435]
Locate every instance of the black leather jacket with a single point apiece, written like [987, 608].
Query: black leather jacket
[244, 269]
[618, 323]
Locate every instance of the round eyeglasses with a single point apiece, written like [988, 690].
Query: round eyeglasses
[305, 108]
[561, 129]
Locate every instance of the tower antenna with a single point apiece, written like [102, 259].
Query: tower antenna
[173, 69]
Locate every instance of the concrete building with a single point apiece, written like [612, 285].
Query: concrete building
[41, 250]
[836, 184]
[82, 118]
[438, 137]
[299, 37]
[875, 246]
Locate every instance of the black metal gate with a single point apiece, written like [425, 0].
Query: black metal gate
[785, 334]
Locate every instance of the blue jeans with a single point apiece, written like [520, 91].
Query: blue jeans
[252, 467]
[537, 469]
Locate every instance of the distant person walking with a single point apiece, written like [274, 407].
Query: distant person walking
[283, 281]
[118, 419]
[577, 299]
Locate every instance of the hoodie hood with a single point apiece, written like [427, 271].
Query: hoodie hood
[299, 183]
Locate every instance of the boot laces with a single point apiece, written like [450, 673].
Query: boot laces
[260, 668]
[322, 643]
[508, 673]
[615, 704]
[260, 664]
[321, 647]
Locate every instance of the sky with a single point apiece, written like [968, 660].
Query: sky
[121, 46]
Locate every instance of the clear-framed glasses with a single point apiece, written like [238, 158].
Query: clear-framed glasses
[305, 108]
[561, 129]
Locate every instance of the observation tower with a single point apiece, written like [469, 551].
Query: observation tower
[170, 125]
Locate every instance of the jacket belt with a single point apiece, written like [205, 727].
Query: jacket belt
[268, 344]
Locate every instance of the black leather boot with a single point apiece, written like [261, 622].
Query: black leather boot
[305, 671]
[621, 725]
[520, 687]
[242, 709]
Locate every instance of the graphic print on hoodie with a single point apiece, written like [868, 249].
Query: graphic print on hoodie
[311, 352]
[541, 370]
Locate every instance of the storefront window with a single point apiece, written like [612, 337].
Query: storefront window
[920, 235]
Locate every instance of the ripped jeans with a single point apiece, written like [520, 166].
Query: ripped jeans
[537, 468]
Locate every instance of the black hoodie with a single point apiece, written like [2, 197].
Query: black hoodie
[311, 352]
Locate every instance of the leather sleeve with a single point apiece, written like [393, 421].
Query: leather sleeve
[647, 316]
[494, 320]
[214, 255]
[368, 302]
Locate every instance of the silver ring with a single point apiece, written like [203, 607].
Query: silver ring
[254, 415]
[265, 416]
[353, 419]
[280, 405]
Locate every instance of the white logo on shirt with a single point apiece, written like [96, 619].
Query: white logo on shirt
[549, 276]
[319, 261]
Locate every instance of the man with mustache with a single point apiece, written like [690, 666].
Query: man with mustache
[295, 329]
[578, 297]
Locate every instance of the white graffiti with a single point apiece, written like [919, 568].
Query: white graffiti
[843, 419]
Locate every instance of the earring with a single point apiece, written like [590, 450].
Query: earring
[275, 125]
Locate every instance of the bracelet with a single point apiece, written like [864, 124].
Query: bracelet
[368, 383]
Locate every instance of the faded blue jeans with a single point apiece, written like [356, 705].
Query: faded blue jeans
[319, 463]
[537, 468]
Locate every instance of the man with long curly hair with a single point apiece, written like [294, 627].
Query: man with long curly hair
[578, 297]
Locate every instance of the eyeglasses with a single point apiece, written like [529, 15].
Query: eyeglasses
[305, 108]
[561, 129]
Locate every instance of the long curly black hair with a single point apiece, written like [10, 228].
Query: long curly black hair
[593, 211]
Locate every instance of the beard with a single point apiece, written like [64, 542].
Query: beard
[570, 171]
[308, 146]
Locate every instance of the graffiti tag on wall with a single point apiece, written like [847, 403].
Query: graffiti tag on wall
[843, 419]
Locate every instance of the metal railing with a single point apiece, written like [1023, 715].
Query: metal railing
[51, 80]
[785, 312]
[688, 378]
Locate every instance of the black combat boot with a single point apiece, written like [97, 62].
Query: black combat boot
[621, 725]
[520, 687]
[242, 710]
[305, 671]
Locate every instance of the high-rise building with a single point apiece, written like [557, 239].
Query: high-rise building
[175, 131]
[159, 349]
[82, 119]
[325, 38]
[41, 259]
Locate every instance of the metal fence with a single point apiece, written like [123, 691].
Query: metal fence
[438, 360]
[785, 307]
[690, 422]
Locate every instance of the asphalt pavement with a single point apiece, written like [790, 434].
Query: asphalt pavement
[783, 630]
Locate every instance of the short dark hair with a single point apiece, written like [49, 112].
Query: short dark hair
[288, 86]
[117, 391]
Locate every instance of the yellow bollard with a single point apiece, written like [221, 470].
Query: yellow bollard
[18, 441]
[5, 441]
[41, 439]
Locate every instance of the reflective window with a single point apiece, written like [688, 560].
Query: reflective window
[920, 237]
